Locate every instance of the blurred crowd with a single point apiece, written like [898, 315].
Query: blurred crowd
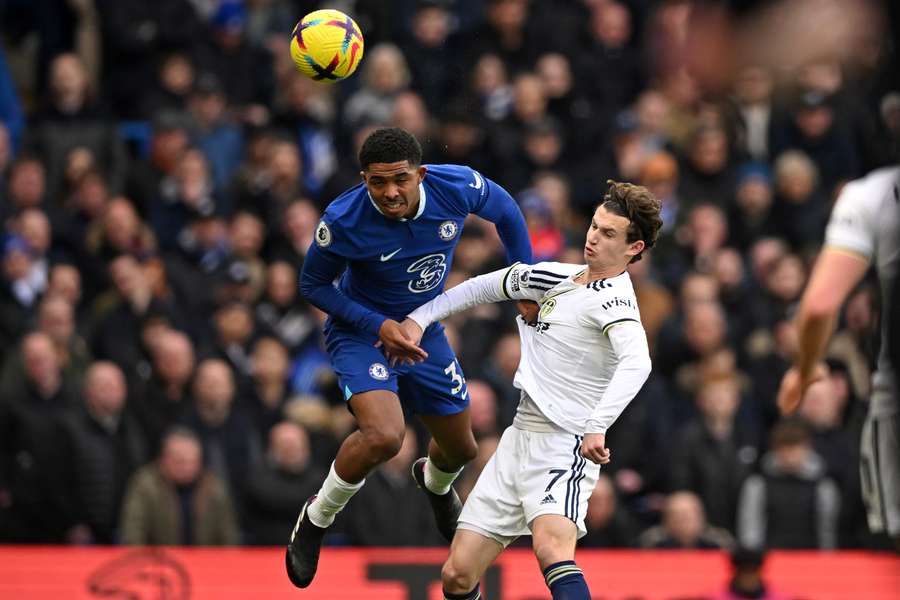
[163, 168]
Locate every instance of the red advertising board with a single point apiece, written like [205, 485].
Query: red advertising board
[51, 573]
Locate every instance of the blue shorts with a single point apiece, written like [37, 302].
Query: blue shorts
[436, 386]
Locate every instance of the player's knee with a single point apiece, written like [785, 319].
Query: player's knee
[551, 549]
[469, 451]
[463, 453]
[456, 580]
[384, 445]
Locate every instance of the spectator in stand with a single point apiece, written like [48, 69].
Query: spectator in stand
[385, 74]
[31, 462]
[608, 525]
[56, 318]
[26, 185]
[431, 52]
[70, 119]
[18, 292]
[117, 336]
[752, 214]
[706, 174]
[716, 452]
[220, 140]
[149, 178]
[792, 503]
[102, 446]
[176, 501]
[286, 477]
[800, 211]
[281, 311]
[230, 447]
[684, 526]
[169, 92]
[753, 115]
[268, 390]
[161, 400]
[816, 130]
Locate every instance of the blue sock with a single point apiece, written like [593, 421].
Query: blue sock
[473, 595]
[566, 581]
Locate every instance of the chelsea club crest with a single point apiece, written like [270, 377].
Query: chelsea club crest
[323, 234]
[378, 371]
[447, 230]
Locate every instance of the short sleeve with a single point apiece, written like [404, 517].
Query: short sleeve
[852, 224]
[531, 282]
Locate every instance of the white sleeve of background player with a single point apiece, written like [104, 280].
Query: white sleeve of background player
[853, 220]
[516, 282]
[629, 342]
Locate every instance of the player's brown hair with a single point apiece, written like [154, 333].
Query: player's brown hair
[638, 205]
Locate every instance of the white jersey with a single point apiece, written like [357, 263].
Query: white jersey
[584, 359]
[866, 221]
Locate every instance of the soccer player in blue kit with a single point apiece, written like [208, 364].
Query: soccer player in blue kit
[391, 241]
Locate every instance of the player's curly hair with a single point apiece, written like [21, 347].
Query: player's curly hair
[638, 205]
[389, 145]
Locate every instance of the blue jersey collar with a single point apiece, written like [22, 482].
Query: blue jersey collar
[423, 198]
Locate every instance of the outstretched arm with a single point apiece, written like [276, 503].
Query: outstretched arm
[503, 284]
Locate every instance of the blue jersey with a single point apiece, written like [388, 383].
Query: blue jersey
[390, 267]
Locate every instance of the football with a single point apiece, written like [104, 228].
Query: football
[327, 45]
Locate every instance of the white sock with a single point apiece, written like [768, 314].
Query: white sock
[331, 498]
[438, 481]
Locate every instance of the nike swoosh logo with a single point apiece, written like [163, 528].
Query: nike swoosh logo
[478, 181]
[386, 257]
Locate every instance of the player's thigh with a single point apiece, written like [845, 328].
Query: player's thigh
[557, 480]
[453, 436]
[436, 386]
[378, 411]
[471, 554]
[553, 538]
[359, 366]
[493, 507]
[880, 473]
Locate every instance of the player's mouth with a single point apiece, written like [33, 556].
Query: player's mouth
[393, 206]
[588, 251]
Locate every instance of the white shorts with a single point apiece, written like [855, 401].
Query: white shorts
[531, 474]
[880, 472]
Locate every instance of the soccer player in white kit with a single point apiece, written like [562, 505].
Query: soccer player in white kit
[864, 229]
[583, 360]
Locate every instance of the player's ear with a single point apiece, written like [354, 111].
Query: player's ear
[421, 172]
[362, 175]
[635, 248]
